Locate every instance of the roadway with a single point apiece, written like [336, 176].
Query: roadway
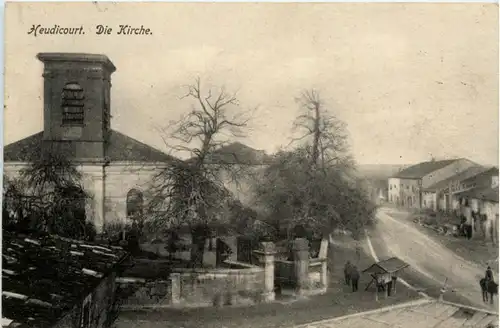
[431, 264]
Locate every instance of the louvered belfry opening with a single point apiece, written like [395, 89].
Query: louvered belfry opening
[73, 103]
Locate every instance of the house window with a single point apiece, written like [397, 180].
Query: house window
[72, 104]
[135, 202]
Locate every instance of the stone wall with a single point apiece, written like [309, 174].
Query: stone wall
[238, 284]
[305, 275]
[235, 283]
[102, 300]
[140, 294]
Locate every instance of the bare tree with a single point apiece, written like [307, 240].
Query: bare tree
[192, 193]
[310, 187]
[324, 134]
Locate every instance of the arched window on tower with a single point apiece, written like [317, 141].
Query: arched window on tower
[72, 104]
[135, 203]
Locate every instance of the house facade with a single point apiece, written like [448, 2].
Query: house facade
[117, 169]
[404, 192]
[439, 191]
[484, 203]
[487, 178]
[407, 188]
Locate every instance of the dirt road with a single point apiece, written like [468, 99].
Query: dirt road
[433, 262]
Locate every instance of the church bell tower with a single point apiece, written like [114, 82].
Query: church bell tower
[77, 103]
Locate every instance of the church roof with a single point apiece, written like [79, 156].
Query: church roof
[124, 148]
[120, 148]
[237, 153]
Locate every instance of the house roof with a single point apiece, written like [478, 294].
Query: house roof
[120, 148]
[238, 153]
[462, 176]
[422, 169]
[488, 194]
[389, 265]
[486, 173]
[424, 313]
[43, 276]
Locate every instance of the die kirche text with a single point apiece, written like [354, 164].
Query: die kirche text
[37, 30]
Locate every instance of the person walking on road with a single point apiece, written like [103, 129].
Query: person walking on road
[467, 213]
[354, 278]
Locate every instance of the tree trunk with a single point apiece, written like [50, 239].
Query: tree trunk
[198, 237]
[317, 134]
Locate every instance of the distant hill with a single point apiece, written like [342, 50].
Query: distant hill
[378, 174]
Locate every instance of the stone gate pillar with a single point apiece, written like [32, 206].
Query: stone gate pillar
[323, 256]
[269, 250]
[301, 264]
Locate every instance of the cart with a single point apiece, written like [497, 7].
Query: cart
[385, 274]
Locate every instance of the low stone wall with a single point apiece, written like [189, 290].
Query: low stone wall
[304, 275]
[137, 293]
[234, 284]
[316, 274]
[237, 284]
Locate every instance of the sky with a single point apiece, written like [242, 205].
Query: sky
[412, 81]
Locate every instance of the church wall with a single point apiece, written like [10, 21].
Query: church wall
[92, 177]
[119, 180]
[108, 187]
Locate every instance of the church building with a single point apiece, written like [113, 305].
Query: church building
[77, 117]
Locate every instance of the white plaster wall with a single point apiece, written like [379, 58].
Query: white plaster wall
[394, 191]
[491, 211]
[494, 181]
[410, 188]
[474, 205]
[429, 200]
[119, 180]
[92, 176]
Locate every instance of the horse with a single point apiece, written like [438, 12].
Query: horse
[490, 288]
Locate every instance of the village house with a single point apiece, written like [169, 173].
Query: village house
[485, 179]
[50, 281]
[440, 191]
[484, 203]
[406, 187]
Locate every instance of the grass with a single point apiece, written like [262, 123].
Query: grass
[339, 300]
